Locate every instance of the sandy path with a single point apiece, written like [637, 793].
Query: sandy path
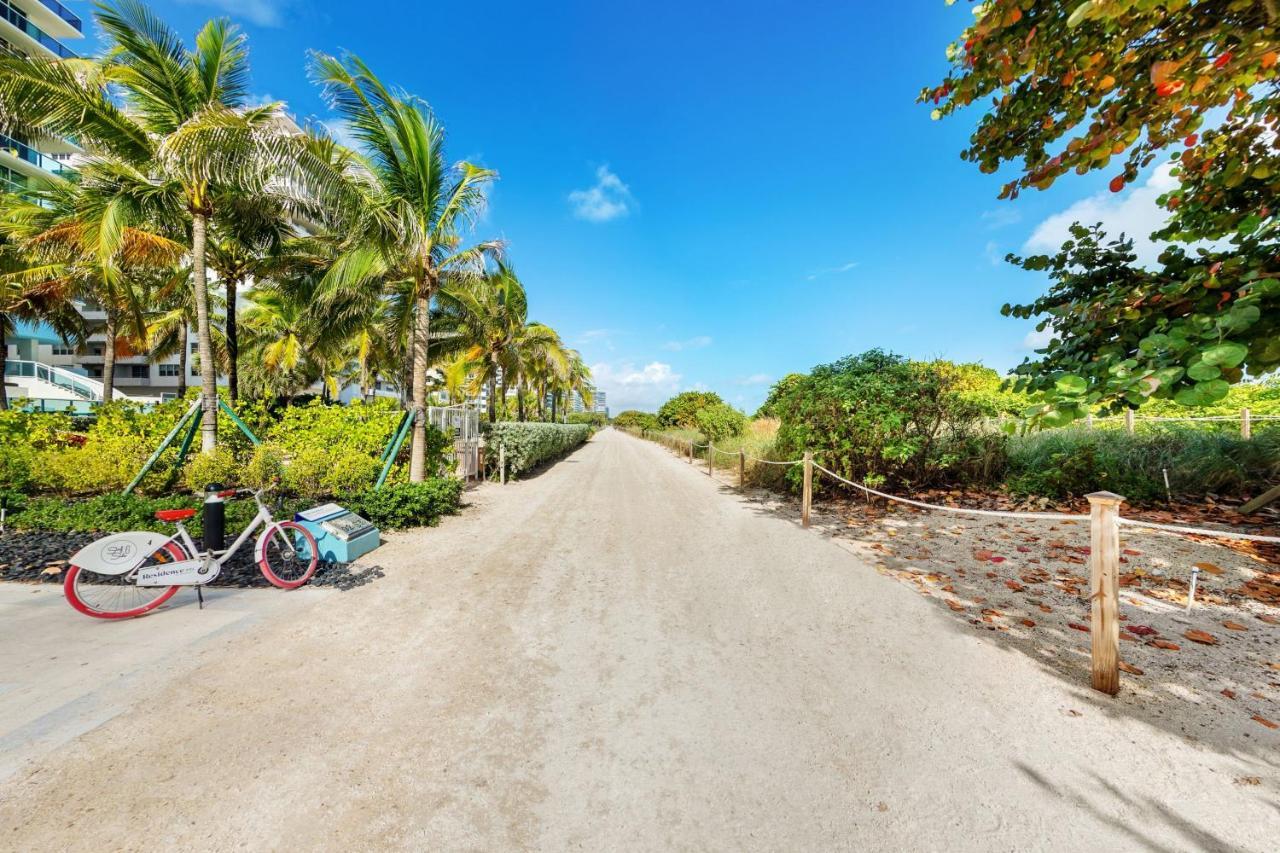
[616, 655]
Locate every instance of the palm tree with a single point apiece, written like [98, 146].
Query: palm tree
[172, 312]
[407, 234]
[180, 140]
[91, 243]
[247, 232]
[493, 312]
[32, 299]
[537, 356]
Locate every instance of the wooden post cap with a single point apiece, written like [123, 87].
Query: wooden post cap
[1105, 498]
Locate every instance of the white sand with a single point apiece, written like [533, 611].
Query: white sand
[620, 653]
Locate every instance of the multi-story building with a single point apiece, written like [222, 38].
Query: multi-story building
[599, 402]
[35, 28]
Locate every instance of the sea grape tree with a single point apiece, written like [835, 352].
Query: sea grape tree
[1115, 85]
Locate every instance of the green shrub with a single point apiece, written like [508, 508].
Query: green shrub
[16, 461]
[318, 472]
[682, 409]
[595, 419]
[402, 505]
[720, 421]
[633, 419]
[264, 468]
[529, 443]
[1073, 462]
[218, 466]
[879, 418]
[116, 513]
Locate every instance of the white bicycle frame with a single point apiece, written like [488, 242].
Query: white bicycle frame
[204, 566]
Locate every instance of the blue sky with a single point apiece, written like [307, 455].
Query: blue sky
[709, 195]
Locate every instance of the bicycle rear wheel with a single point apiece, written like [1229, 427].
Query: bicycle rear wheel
[117, 596]
[287, 554]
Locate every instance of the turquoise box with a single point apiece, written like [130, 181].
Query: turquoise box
[341, 535]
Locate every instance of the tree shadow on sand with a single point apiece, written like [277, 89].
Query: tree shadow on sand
[1024, 584]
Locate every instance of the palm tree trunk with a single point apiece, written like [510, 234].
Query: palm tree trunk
[519, 403]
[182, 361]
[233, 344]
[204, 340]
[109, 358]
[4, 360]
[493, 398]
[421, 341]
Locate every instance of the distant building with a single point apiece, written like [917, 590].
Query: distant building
[598, 403]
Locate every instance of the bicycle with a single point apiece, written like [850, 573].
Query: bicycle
[129, 574]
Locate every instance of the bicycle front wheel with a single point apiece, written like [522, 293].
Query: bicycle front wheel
[287, 555]
[117, 596]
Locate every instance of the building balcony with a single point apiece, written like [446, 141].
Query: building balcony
[22, 157]
[17, 28]
[58, 19]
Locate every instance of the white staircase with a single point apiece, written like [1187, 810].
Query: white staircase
[38, 381]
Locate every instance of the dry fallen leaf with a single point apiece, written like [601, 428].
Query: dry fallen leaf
[1264, 721]
[1129, 668]
[1230, 694]
[1202, 637]
[1029, 623]
[1078, 627]
[1164, 644]
[1233, 626]
[955, 605]
[1209, 567]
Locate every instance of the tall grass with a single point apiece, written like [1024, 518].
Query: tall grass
[1058, 463]
[1076, 461]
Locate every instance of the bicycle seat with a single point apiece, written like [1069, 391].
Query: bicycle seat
[174, 514]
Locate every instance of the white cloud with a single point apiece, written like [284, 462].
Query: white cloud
[696, 342]
[832, 270]
[1001, 217]
[1037, 339]
[609, 199]
[992, 253]
[756, 379]
[1133, 212]
[630, 387]
[341, 132]
[264, 13]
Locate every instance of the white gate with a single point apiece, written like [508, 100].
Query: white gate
[462, 424]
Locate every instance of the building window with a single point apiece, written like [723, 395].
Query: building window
[195, 345]
[170, 370]
[63, 349]
[195, 370]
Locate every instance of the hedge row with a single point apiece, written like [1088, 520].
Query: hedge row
[395, 506]
[527, 444]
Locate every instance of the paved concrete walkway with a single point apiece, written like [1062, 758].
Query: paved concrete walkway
[621, 654]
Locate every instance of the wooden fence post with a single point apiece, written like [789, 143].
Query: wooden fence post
[1128, 421]
[1246, 424]
[502, 464]
[711, 455]
[691, 451]
[1104, 589]
[742, 468]
[806, 496]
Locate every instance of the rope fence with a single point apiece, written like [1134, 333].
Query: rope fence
[1104, 543]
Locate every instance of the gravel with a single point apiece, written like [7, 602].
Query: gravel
[40, 556]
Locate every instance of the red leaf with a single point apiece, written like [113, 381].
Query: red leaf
[1141, 630]
[1078, 627]
[1264, 721]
